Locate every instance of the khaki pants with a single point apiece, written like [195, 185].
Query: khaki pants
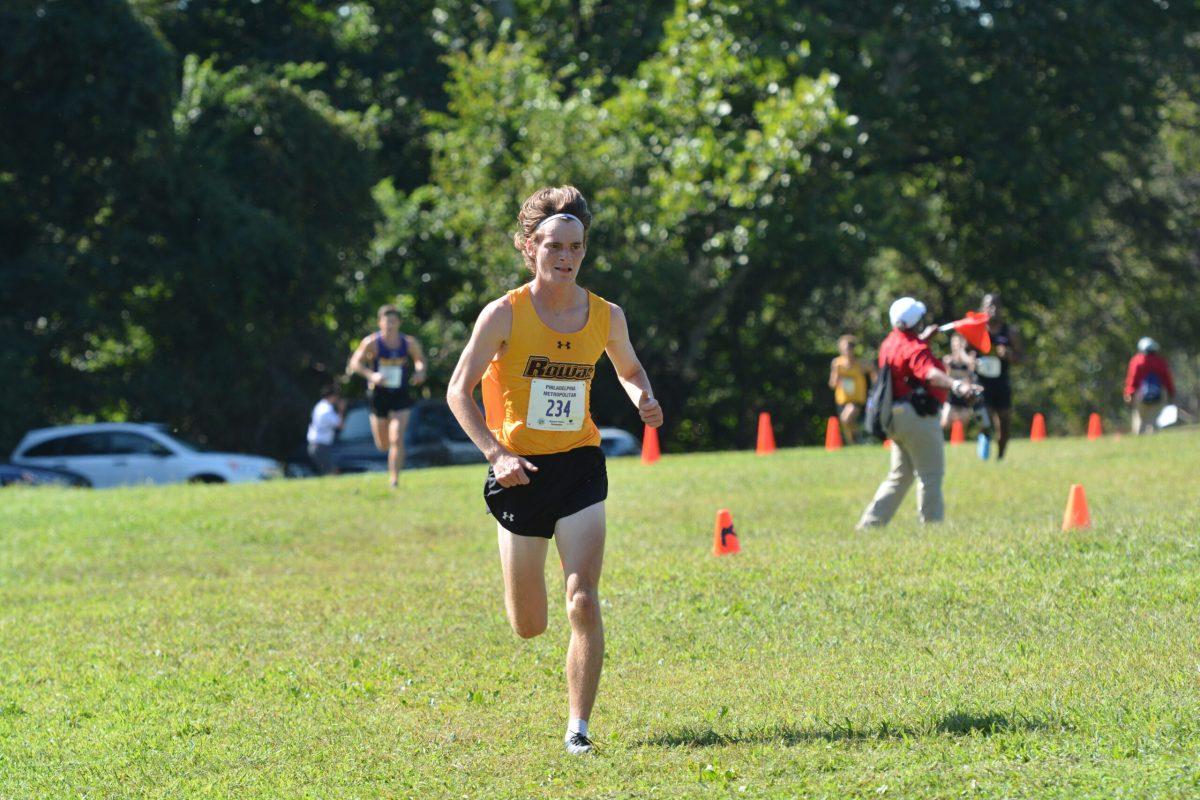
[1144, 415]
[917, 451]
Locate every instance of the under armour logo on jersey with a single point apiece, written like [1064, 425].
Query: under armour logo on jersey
[564, 345]
[507, 517]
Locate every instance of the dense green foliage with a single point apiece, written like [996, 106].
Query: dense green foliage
[326, 638]
[201, 202]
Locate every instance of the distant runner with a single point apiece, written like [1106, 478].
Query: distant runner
[993, 370]
[960, 365]
[391, 362]
[848, 378]
[535, 349]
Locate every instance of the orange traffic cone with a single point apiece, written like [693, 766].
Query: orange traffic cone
[887, 444]
[956, 432]
[650, 451]
[1037, 431]
[725, 541]
[833, 434]
[766, 435]
[1076, 515]
[1095, 426]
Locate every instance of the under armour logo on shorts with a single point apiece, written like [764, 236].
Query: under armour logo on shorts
[507, 517]
[563, 345]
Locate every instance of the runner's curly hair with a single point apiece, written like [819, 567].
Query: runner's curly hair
[547, 202]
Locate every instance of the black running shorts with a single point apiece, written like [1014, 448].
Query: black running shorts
[384, 401]
[997, 393]
[564, 483]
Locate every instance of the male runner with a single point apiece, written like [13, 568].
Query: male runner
[993, 370]
[535, 349]
[848, 377]
[396, 362]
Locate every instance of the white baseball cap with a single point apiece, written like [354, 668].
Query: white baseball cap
[1147, 345]
[906, 312]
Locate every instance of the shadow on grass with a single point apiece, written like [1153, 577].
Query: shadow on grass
[955, 724]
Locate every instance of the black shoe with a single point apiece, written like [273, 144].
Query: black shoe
[578, 744]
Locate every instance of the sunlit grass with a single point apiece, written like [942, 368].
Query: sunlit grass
[331, 638]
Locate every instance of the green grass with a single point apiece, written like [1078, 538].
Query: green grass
[332, 639]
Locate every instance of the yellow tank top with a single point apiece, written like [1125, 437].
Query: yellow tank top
[537, 395]
[851, 382]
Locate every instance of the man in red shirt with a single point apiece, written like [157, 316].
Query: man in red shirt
[1148, 385]
[919, 387]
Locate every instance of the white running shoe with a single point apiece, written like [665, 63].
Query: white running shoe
[578, 744]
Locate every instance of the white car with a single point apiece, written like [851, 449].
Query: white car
[120, 453]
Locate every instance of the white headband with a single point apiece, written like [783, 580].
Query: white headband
[557, 216]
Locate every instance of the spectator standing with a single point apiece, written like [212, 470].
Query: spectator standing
[323, 427]
[1148, 385]
[919, 387]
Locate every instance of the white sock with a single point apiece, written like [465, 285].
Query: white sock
[577, 726]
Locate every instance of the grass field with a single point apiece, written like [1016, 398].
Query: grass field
[329, 638]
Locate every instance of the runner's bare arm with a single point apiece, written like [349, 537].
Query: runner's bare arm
[492, 330]
[630, 373]
[358, 362]
[418, 359]
[833, 374]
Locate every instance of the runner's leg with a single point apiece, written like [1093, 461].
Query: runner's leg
[397, 424]
[849, 420]
[1003, 425]
[523, 564]
[379, 431]
[580, 539]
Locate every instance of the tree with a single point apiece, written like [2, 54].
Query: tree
[85, 102]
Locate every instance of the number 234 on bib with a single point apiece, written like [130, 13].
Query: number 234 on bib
[556, 405]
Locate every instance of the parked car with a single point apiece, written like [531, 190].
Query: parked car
[616, 442]
[13, 475]
[119, 453]
[433, 438]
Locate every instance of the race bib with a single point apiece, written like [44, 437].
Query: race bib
[849, 385]
[556, 405]
[393, 376]
[988, 367]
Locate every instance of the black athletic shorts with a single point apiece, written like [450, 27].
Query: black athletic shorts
[385, 401]
[564, 483]
[997, 393]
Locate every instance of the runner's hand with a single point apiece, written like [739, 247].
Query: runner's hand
[375, 379]
[510, 470]
[418, 377]
[650, 411]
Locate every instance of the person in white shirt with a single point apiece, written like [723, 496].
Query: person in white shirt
[323, 428]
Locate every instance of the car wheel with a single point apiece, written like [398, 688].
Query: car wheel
[206, 479]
